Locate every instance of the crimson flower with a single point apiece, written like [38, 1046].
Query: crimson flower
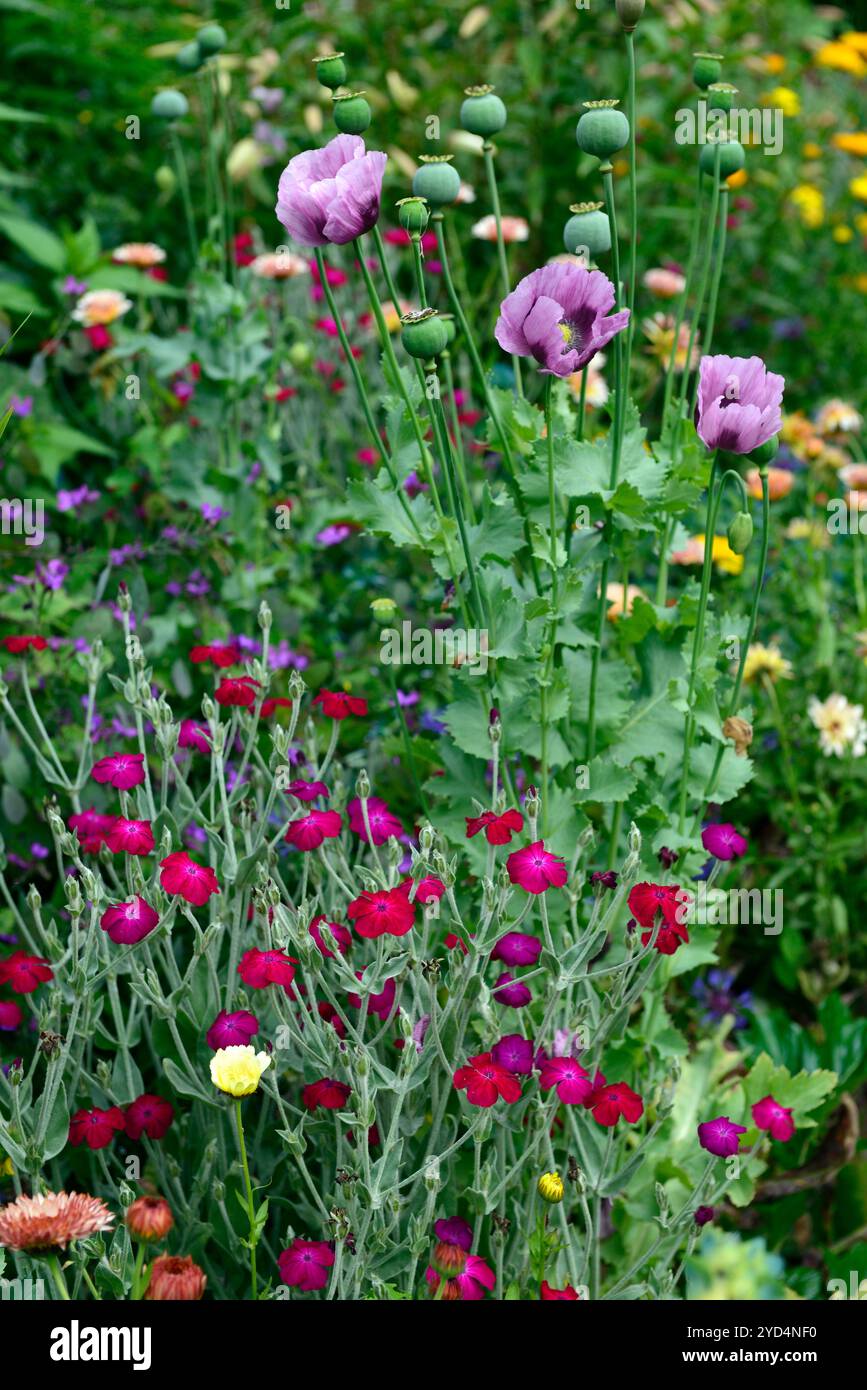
[258, 969]
[308, 832]
[426, 889]
[380, 1004]
[232, 1030]
[11, 1016]
[180, 874]
[130, 837]
[336, 704]
[128, 923]
[498, 829]
[547, 1294]
[23, 974]
[194, 735]
[16, 645]
[121, 770]
[96, 1128]
[374, 914]
[305, 1264]
[720, 1136]
[237, 690]
[150, 1115]
[647, 899]
[485, 1082]
[535, 869]
[275, 702]
[769, 1115]
[91, 828]
[571, 1080]
[383, 824]
[336, 934]
[220, 655]
[330, 1094]
[306, 791]
[610, 1103]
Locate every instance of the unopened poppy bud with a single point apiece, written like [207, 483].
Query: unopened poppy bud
[550, 1187]
[330, 70]
[602, 130]
[352, 113]
[629, 12]
[767, 452]
[483, 113]
[741, 533]
[423, 334]
[189, 57]
[211, 39]
[413, 215]
[149, 1218]
[436, 180]
[588, 226]
[721, 96]
[707, 69]
[169, 105]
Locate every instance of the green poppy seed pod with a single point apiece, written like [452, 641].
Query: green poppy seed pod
[707, 69]
[629, 12]
[413, 215]
[424, 334]
[331, 70]
[721, 96]
[732, 157]
[211, 39]
[169, 105]
[741, 533]
[352, 114]
[589, 226]
[189, 57]
[436, 180]
[602, 130]
[483, 113]
[767, 452]
[448, 321]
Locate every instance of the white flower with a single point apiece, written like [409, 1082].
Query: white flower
[842, 727]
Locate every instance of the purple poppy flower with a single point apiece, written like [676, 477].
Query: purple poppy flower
[515, 1053]
[332, 194]
[720, 1136]
[558, 316]
[511, 992]
[723, 841]
[517, 948]
[738, 403]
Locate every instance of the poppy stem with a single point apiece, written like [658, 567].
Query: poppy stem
[713, 501]
[490, 170]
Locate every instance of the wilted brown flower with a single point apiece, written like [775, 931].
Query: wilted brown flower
[175, 1278]
[150, 1218]
[52, 1219]
[741, 733]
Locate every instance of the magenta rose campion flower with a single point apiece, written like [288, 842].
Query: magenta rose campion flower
[121, 770]
[383, 824]
[720, 1136]
[309, 831]
[517, 948]
[738, 403]
[11, 1016]
[535, 869]
[130, 837]
[558, 316]
[511, 992]
[769, 1115]
[723, 841]
[195, 883]
[514, 1053]
[332, 194]
[232, 1030]
[128, 923]
[305, 1264]
[571, 1080]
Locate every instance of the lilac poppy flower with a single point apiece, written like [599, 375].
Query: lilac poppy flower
[720, 1136]
[738, 403]
[558, 316]
[332, 194]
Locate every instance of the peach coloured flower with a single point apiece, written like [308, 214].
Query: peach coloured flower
[659, 330]
[279, 265]
[150, 1218]
[52, 1219]
[597, 387]
[392, 315]
[665, 283]
[100, 307]
[514, 228]
[143, 254]
[621, 602]
[780, 483]
[854, 476]
[175, 1279]
[838, 417]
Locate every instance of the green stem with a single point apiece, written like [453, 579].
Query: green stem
[248, 1187]
[58, 1276]
[713, 498]
[490, 170]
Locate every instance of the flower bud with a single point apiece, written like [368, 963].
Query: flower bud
[629, 12]
[436, 180]
[741, 533]
[413, 215]
[483, 113]
[731, 156]
[169, 105]
[602, 130]
[330, 70]
[352, 113]
[423, 333]
[550, 1187]
[589, 226]
[149, 1218]
[211, 39]
[707, 69]
[175, 1278]
[766, 452]
[362, 785]
[189, 57]
[383, 608]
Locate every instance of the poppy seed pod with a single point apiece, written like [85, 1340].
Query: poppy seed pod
[602, 130]
[707, 69]
[189, 57]
[629, 12]
[169, 105]
[436, 180]
[448, 322]
[352, 114]
[731, 157]
[589, 226]
[721, 96]
[741, 533]
[330, 70]
[483, 113]
[766, 452]
[424, 334]
[211, 39]
[413, 215]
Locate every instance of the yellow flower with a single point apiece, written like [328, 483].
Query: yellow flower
[738, 178]
[237, 1070]
[858, 188]
[861, 223]
[785, 99]
[766, 661]
[843, 235]
[843, 58]
[810, 203]
[551, 1187]
[856, 41]
[851, 142]
[6, 1168]
[812, 150]
[725, 558]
